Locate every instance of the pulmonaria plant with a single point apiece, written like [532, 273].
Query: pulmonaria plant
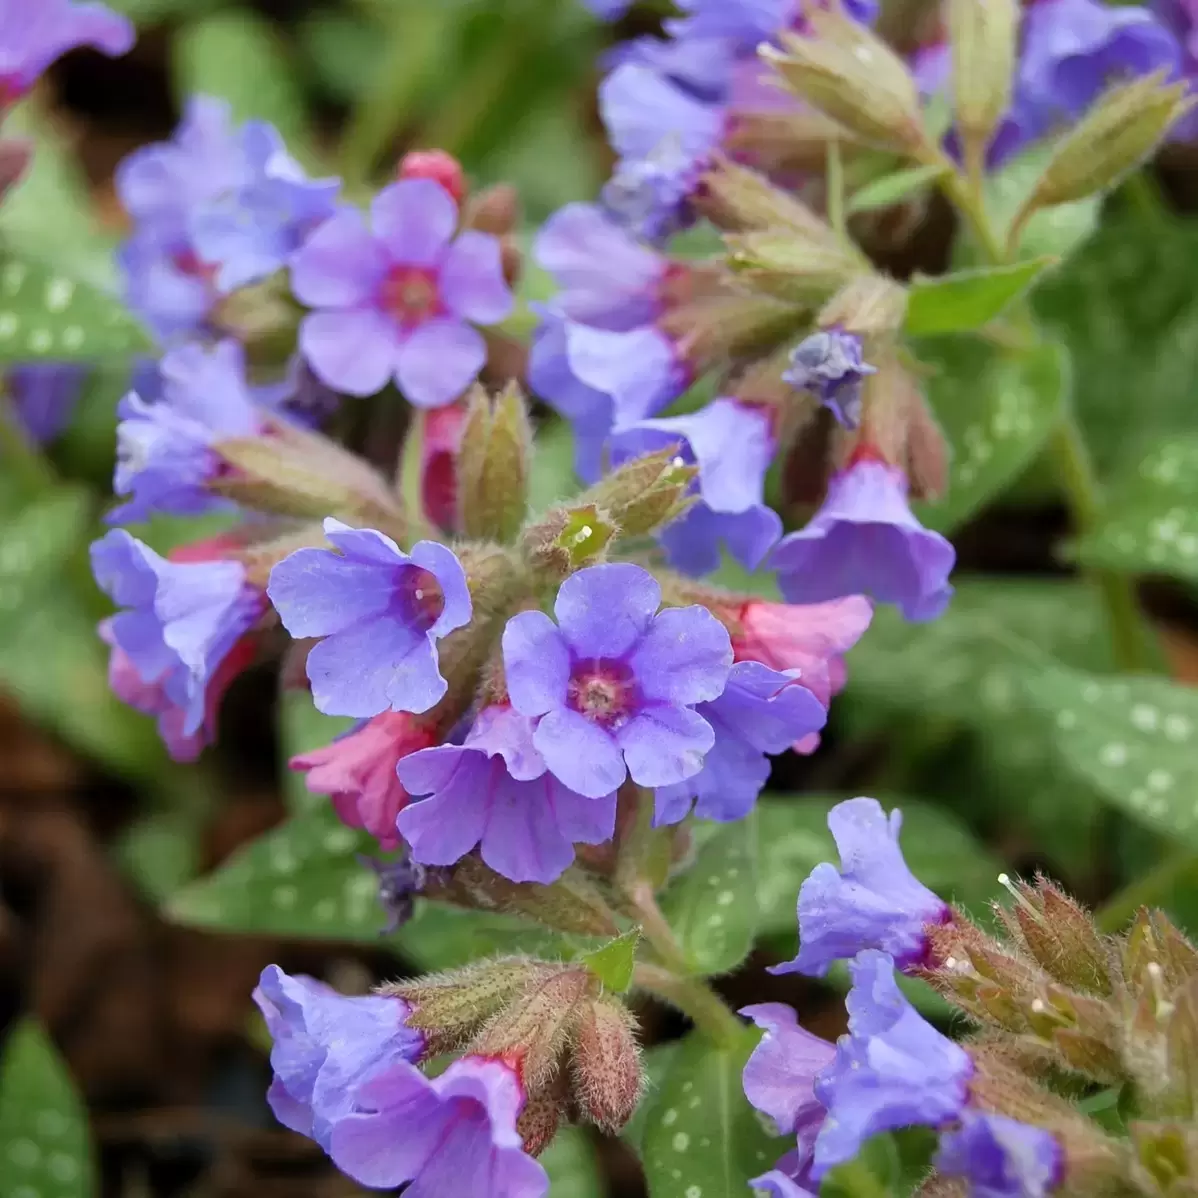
[567, 714]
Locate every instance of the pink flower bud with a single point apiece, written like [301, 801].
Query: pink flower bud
[437, 165]
[608, 1079]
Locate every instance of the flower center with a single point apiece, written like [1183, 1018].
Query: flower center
[603, 691]
[410, 294]
[188, 263]
[419, 597]
[11, 90]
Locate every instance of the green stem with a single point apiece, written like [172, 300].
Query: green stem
[1076, 472]
[694, 998]
[1152, 888]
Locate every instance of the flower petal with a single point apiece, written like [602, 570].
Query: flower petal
[317, 592]
[340, 265]
[353, 351]
[438, 361]
[442, 829]
[415, 218]
[684, 658]
[664, 744]
[603, 611]
[581, 754]
[536, 661]
[471, 279]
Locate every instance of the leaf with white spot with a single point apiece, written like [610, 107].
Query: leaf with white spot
[300, 879]
[1150, 524]
[1132, 738]
[712, 907]
[44, 1147]
[968, 299]
[996, 425]
[47, 316]
[702, 1139]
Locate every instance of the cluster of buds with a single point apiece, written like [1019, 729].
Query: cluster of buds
[1065, 1019]
[535, 1044]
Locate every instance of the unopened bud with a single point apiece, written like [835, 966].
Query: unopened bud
[644, 494]
[440, 439]
[495, 209]
[741, 200]
[1168, 1154]
[532, 1031]
[607, 1074]
[1154, 941]
[927, 448]
[438, 165]
[291, 471]
[1179, 1014]
[867, 305]
[567, 539]
[1113, 138]
[541, 1116]
[803, 269]
[493, 465]
[263, 317]
[452, 1007]
[851, 75]
[984, 36]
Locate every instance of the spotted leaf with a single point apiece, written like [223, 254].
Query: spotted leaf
[1151, 521]
[44, 1147]
[47, 316]
[1133, 739]
[995, 424]
[702, 1139]
[572, 1165]
[713, 906]
[968, 299]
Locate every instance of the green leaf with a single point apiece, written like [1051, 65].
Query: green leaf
[969, 299]
[1132, 738]
[995, 428]
[1125, 307]
[712, 907]
[572, 1165]
[301, 730]
[46, 315]
[890, 189]
[161, 853]
[300, 879]
[44, 1142]
[613, 963]
[1150, 524]
[239, 57]
[702, 1139]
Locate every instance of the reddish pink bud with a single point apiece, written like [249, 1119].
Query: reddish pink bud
[437, 165]
[222, 547]
[607, 1063]
[539, 1120]
[441, 439]
[358, 771]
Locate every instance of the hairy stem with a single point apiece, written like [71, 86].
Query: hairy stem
[694, 998]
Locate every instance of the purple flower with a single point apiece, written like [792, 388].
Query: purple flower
[213, 209]
[44, 396]
[399, 300]
[252, 230]
[892, 1069]
[663, 137]
[1180, 17]
[380, 611]
[166, 453]
[749, 22]
[1001, 1157]
[494, 791]
[733, 447]
[872, 901]
[33, 34]
[612, 686]
[830, 365]
[779, 1080]
[865, 540]
[450, 1135]
[184, 619]
[598, 379]
[760, 712]
[701, 66]
[325, 1046]
[609, 10]
[607, 278]
[1074, 49]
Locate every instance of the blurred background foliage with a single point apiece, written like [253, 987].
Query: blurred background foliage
[118, 929]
